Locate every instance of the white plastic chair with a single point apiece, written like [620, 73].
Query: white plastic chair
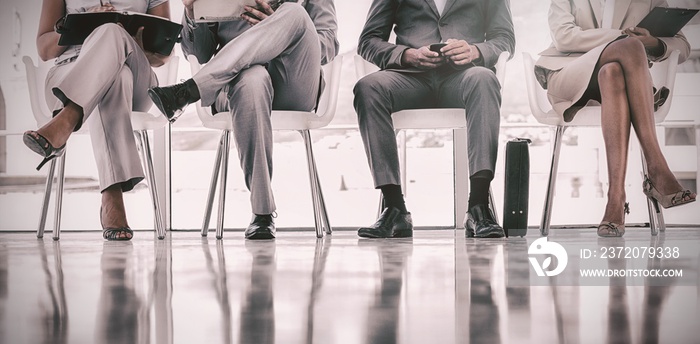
[437, 118]
[141, 122]
[301, 121]
[663, 74]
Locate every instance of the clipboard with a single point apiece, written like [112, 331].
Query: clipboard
[206, 11]
[159, 34]
[666, 21]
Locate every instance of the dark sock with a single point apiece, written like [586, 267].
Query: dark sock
[192, 90]
[479, 184]
[393, 197]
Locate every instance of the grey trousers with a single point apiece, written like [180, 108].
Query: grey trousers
[108, 80]
[250, 79]
[379, 94]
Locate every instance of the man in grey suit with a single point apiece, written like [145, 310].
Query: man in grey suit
[269, 59]
[458, 74]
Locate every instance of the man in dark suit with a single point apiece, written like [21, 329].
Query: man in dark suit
[267, 59]
[460, 74]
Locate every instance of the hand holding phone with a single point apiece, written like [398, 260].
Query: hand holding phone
[436, 47]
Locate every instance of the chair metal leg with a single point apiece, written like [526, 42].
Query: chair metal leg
[656, 215]
[225, 142]
[212, 186]
[322, 202]
[401, 135]
[460, 176]
[47, 199]
[549, 196]
[144, 143]
[320, 214]
[59, 196]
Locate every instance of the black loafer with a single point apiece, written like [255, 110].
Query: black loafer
[171, 100]
[390, 224]
[480, 223]
[262, 227]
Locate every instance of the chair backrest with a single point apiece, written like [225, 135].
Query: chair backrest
[36, 79]
[285, 120]
[663, 74]
[36, 76]
[364, 67]
[328, 102]
[167, 73]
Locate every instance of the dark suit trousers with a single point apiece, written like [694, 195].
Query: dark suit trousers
[379, 94]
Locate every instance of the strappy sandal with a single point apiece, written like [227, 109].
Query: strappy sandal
[608, 229]
[40, 145]
[114, 233]
[660, 97]
[666, 201]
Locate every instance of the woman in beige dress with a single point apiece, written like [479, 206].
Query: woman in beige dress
[598, 55]
[110, 72]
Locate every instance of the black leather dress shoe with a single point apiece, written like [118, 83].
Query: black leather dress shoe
[480, 223]
[262, 227]
[390, 224]
[171, 100]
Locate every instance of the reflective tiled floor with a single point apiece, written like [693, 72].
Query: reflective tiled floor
[435, 288]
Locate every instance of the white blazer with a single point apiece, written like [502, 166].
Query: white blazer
[575, 26]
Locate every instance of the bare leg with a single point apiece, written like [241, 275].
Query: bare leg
[630, 55]
[615, 123]
[113, 211]
[60, 127]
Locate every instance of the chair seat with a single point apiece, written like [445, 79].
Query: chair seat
[436, 119]
[147, 121]
[588, 116]
[281, 120]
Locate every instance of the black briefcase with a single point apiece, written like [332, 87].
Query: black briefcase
[517, 180]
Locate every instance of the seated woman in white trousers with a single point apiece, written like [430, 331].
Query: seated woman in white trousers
[599, 55]
[110, 72]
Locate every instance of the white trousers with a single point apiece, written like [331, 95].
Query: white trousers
[108, 80]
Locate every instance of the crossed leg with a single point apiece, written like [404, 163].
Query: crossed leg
[625, 88]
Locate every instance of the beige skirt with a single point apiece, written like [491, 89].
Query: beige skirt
[566, 86]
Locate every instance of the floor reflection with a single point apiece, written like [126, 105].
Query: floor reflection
[54, 320]
[438, 287]
[258, 306]
[220, 285]
[482, 284]
[384, 310]
[321, 252]
[118, 307]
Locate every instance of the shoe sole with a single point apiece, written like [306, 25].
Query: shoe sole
[492, 235]
[400, 234]
[32, 144]
[261, 236]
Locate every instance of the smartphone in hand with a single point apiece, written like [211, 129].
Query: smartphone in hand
[436, 47]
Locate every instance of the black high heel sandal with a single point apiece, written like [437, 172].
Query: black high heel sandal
[40, 145]
[113, 233]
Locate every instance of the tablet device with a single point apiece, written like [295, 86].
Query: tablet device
[666, 22]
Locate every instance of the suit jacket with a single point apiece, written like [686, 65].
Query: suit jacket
[575, 26]
[204, 40]
[487, 24]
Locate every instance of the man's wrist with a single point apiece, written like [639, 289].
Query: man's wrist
[403, 59]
